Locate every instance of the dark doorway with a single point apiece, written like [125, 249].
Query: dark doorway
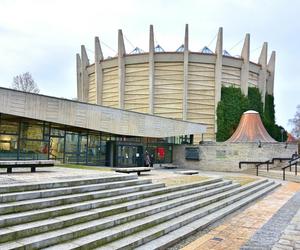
[129, 155]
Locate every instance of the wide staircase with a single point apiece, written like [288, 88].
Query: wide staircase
[116, 212]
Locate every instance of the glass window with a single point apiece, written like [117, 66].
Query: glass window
[82, 143]
[71, 142]
[32, 130]
[33, 150]
[131, 139]
[160, 153]
[8, 147]
[105, 137]
[57, 131]
[9, 127]
[56, 147]
[46, 128]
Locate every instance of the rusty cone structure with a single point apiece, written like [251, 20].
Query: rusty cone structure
[251, 129]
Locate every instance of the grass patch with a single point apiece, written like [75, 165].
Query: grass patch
[174, 181]
[85, 167]
[242, 180]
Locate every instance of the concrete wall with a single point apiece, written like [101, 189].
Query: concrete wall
[94, 117]
[226, 156]
[168, 99]
[181, 85]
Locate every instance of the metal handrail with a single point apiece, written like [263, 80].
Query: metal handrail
[248, 162]
[257, 164]
[293, 162]
[262, 163]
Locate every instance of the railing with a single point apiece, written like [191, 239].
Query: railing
[292, 162]
[257, 164]
[263, 163]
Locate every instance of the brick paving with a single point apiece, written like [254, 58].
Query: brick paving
[271, 232]
[290, 238]
[236, 231]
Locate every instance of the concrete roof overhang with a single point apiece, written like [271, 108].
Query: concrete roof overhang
[91, 116]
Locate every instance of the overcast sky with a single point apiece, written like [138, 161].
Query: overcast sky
[43, 37]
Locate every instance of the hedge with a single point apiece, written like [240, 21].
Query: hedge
[233, 104]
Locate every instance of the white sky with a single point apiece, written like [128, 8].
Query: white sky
[43, 36]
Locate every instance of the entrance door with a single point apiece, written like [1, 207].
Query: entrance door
[129, 156]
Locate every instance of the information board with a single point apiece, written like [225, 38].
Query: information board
[192, 153]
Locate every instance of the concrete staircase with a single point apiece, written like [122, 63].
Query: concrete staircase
[117, 212]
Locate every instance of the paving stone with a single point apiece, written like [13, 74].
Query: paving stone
[271, 232]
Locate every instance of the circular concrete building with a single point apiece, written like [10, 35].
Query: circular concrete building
[183, 85]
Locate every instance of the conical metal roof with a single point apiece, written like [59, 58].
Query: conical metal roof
[250, 129]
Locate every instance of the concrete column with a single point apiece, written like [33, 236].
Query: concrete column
[98, 71]
[151, 70]
[79, 81]
[121, 64]
[84, 74]
[262, 77]
[185, 72]
[271, 69]
[245, 55]
[218, 71]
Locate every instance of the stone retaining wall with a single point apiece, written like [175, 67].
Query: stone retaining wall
[226, 156]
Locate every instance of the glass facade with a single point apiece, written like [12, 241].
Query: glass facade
[27, 139]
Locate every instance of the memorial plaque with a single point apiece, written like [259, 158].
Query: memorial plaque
[192, 153]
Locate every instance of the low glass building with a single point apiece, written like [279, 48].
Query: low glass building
[25, 138]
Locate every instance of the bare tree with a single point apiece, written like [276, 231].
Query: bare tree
[25, 82]
[296, 123]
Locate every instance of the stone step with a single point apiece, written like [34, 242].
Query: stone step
[72, 232]
[160, 194]
[179, 216]
[27, 205]
[149, 241]
[46, 193]
[141, 208]
[10, 188]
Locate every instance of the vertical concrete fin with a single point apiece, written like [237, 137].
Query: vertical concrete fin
[185, 72]
[121, 45]
[98, 50]
[246, 49]
[218, 71]
[245, 55]
[98, 71]
[151, 39]
[84, 76]
[78, 71]
[186, 38]
[121, 64]
[262, 77]
[263, 55]
[271, 63]
[219, 44]
[151, 70]
[84, 57]
[271, 69]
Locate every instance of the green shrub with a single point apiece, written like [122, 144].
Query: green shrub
[233, 104]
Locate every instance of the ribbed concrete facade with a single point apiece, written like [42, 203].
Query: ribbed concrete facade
[182, 85]
[92, 117]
